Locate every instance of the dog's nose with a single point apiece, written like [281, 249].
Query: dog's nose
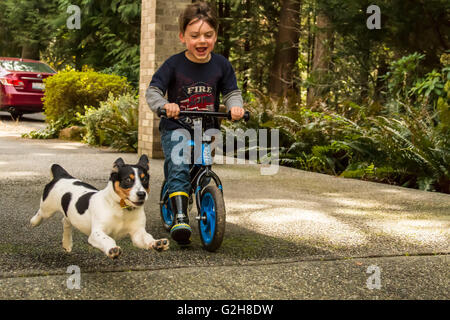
[141, 195]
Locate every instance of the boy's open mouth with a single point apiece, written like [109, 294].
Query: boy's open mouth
[201, 50]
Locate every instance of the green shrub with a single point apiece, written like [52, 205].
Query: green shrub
[49, 132]
[67, 92]
[406, 144]
[410, 149]
[414, 142]
[114, 124]
[402, 75]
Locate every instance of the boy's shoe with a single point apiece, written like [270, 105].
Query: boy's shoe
[181, 231]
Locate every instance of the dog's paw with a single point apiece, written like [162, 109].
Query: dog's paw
[160, 245]
[35, 221]
[67, 248]
[114, 253]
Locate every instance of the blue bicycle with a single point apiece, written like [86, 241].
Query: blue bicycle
[211, 213]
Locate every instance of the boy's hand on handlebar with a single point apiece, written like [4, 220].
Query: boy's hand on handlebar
[237, 113]
[172, 110]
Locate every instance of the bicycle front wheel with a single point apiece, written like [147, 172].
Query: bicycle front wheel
[212, 218]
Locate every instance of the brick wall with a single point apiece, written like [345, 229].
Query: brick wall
[159, 40]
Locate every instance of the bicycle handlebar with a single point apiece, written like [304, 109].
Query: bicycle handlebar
[162, 112]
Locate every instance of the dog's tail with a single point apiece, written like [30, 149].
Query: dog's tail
[59, 172]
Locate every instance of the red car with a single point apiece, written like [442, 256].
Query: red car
[21, 85]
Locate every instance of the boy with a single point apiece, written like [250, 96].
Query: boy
[193, 80]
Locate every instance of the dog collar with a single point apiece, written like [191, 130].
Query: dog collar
[123, 205]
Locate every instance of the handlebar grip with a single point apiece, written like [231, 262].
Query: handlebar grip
[246, 116]
[161, 112]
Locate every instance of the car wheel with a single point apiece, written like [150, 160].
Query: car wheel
[16, 115]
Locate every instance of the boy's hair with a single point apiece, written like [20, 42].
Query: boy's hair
[198, 11]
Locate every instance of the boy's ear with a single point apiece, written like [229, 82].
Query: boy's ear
[181, 36]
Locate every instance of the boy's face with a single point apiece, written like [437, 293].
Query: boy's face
[199, 39]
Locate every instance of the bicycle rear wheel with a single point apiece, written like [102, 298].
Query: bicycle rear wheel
[212, 218]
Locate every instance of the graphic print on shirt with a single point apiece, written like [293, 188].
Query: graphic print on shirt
[198, 96]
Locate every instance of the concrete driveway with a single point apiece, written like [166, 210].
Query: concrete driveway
[293, 235]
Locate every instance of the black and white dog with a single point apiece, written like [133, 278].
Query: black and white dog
[105, 215]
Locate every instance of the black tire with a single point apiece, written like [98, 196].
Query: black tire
[167, 225]
[210, 236]
[16, 115]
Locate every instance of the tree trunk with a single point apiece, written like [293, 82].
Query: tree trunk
[30, 51]
[286, 52]
[382, 69]
[321, 58]
[247, 46]
[365, 70]
[310, 41]
[224, 27]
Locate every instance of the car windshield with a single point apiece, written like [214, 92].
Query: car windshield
[15, 65]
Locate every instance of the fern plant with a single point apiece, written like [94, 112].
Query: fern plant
[413, 141]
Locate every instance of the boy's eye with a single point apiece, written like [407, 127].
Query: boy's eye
[207, 35]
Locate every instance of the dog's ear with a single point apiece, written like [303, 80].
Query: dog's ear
[143, 162]
[118, 163]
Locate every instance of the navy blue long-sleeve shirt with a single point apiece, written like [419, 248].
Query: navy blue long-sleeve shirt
[193, 86]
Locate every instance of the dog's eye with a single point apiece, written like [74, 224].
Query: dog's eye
[128, 181]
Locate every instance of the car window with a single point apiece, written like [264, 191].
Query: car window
[14, 65]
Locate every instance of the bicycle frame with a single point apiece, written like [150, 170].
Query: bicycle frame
[200, 172]
[204, 170]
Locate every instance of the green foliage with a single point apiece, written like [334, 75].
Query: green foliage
[114, 124]
[309, 140]
[108, 39]
[67, 92]
[51, 131]
[443, 108]
[402, 75]
[324, 143]
[109, 36]
[414, 142]
[23, 24]
[410, 148]
[432, 88]
[246, 37]
[129, 71]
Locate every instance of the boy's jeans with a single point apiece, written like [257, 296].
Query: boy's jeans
[177, 175]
